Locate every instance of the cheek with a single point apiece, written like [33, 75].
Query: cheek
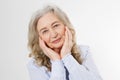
[45, 39]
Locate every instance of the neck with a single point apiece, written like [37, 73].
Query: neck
[57, 50]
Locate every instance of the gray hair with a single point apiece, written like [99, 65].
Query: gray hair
[33, 38]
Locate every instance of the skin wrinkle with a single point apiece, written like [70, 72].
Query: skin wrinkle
[37, 52]
[54, 32]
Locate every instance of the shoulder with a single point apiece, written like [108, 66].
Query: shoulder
[84, 50]
[37, 72]
[31, 65]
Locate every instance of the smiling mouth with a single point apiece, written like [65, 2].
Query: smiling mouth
[56, 41]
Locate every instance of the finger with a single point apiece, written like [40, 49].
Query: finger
[48, 51]
[43, 44]
[66, 37]
[43, 47]
[69, 38]
[69, 34]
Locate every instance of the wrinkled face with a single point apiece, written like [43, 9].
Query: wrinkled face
[51, 30]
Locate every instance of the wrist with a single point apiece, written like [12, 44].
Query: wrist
[64, 55]
[56, 59]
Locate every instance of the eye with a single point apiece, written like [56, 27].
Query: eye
[44, 31]
[56, 25]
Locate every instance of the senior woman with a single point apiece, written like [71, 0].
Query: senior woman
[55, 54]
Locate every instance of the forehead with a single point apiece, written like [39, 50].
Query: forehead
[47, 20]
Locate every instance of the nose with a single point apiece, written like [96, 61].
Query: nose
[53, 34]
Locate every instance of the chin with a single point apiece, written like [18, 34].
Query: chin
[57, 46]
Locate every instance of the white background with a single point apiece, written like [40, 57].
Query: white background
[97, 24]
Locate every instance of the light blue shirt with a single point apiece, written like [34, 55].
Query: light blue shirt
[66, 68]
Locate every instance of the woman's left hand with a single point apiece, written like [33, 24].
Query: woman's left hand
[67, 46]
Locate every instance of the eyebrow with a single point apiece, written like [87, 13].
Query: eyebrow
[54, 22]
[42, 29]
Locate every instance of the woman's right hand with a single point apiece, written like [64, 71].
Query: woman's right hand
[47, 51]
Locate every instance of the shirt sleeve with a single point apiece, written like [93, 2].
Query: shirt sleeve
[58, 70]
[36, 72]
[85, 71]
[41, 73]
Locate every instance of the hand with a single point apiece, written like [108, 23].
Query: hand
[67, 46]
[48, 52]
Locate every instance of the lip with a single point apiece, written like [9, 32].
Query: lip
[57, 40]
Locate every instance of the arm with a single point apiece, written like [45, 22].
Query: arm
[36, 72]
[85, 71]
[58, 71]
[57, 67]
[41, 73]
